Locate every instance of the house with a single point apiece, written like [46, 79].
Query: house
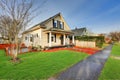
[51, 32]
[83, 32]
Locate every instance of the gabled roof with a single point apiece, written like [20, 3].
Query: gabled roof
[79, 32]
[41, 24]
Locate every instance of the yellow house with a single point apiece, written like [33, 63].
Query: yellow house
[51, 32]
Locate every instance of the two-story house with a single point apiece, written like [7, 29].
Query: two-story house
[51, 32]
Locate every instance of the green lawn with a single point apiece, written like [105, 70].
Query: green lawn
[111, 70]
[116, 49]
[38, 65]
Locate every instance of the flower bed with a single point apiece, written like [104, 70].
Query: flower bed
[78, 49]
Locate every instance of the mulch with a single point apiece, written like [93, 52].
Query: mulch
[77, 49]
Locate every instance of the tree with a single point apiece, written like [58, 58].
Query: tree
[15, 15]
[115, 36]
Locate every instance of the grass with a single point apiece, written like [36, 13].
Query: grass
[111, 70]
[116, 49]
[39, 65]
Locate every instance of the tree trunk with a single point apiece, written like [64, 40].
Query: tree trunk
[15, 49]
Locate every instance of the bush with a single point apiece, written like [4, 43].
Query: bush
[39, 48]
[98, 39]
[34, 48]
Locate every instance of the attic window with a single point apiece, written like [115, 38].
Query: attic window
[61, 25]
[58, 24]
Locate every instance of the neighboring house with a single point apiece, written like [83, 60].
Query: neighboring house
[51, 32]
[83, 32]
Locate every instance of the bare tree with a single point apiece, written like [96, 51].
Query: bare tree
[115, 36]
[15, 15]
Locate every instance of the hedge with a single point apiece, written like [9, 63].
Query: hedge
[98, 39]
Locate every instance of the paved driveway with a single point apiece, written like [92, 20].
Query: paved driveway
[88, 69]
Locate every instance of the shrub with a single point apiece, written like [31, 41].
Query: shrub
[39, 48]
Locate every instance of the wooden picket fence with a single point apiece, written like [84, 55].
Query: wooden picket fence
[88, 44]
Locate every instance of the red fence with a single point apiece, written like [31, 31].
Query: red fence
[3, 46]
[7, 48]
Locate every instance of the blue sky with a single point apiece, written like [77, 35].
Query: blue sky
[99, 16]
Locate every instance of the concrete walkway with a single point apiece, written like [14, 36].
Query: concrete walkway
[88, 69]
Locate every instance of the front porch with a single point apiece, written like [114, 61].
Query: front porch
[59, 38]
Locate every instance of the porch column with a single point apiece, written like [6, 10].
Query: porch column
[40, 38]
[64, 39]
[49, 39]
[73, 40]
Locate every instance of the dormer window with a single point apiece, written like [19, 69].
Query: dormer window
[58, 24]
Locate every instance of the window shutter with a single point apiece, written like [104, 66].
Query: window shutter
[48, 37]
[53, 23]
[58, 24]
[32, 38]
[62, 25]
[55, 37]
[37, 34]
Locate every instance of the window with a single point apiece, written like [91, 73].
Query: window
[31, 38]
[61, 25]
[53, 37]
[58, 24]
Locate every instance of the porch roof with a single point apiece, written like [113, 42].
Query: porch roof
[59, 31]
